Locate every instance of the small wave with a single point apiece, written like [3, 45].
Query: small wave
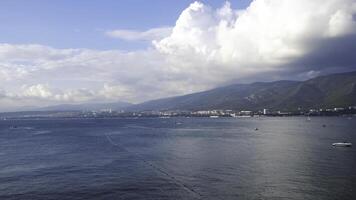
[41, 132]
[22, 127]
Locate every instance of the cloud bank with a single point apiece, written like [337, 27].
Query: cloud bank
[132, 35]
[206, 48]
[267, 36]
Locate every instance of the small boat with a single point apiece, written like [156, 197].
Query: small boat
[342, 144]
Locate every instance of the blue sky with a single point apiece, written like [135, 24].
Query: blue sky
[82, 24]
[76, 51]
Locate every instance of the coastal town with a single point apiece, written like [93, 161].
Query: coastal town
[214, 113]
[337, 111]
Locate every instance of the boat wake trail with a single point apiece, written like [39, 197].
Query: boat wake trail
[195, 193]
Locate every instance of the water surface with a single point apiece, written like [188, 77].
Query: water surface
[178, 158]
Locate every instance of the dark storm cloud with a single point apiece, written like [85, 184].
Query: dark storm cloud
[330, 55]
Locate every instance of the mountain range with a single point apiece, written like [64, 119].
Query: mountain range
[335, 90]
[86, 106]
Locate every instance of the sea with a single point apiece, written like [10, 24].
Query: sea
[178, 158]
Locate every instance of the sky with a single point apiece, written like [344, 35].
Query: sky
[55, 52]
[82, 23]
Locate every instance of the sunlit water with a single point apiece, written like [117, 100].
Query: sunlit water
[178, 158]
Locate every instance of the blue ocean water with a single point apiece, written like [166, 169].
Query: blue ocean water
[178, 158]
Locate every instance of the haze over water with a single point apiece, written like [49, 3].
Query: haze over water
[178, 158]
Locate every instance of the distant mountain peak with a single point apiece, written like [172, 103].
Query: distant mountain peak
[87, 106]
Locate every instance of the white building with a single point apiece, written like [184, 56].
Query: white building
[265, 111]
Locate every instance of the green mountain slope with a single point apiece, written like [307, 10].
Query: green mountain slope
[336, 90]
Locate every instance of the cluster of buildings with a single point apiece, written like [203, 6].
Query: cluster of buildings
[333, 111]
[109, 113]
[222, 113]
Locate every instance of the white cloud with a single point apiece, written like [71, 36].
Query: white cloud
[266, 34]
[39, 90]
[148, 35]
[44, 92]
[206, 48]
[342, 22]
[115, 92]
